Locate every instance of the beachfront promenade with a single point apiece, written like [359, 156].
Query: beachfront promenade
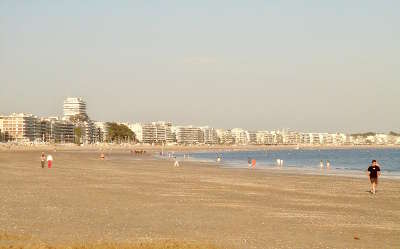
[83, 199]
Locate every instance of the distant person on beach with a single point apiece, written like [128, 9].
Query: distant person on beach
[374, 171]
[102, 156]
[253, 163]
[49, 161]
[176, 163]
[43, 159]
[218, 158]
[328, 164]
[321, 164]
[249, 161]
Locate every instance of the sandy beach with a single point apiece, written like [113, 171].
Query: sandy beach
[126, 199]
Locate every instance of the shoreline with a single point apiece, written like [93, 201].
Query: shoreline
[358, 174]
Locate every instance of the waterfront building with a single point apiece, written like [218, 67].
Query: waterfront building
[100, 132]
[157, 133]
[305, 138]
[227, 137]
[316, 138]
[291, 137]
[62, 131]
[189, 135]
[137, 128]
[21, 127]
[381, 139]
[327, 139]
[240, 136]
[252, 137]
[73, 107]
[264, 138]
[339, 138]
[210, 135]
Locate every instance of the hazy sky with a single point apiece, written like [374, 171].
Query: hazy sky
[306, 65]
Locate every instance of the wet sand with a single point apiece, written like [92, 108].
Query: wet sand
[128, 199]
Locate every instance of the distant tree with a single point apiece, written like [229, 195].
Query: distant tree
[392, 133]
[118, 133]
[78, 118]
[367, 134]
[78, 134]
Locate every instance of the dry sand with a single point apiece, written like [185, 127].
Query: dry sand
[129, 199]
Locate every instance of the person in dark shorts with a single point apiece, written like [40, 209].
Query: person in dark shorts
[43, 159]
[374, 171]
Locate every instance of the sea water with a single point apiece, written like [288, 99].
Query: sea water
[342, 161]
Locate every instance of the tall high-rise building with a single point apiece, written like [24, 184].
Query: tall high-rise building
[74, 106]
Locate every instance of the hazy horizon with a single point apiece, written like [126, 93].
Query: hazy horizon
[313, 66]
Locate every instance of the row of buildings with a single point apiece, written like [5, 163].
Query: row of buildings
[165, 133]
[76, 126]
[20, 127]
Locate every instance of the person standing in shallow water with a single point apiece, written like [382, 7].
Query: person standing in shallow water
[374, 171]
[43, 159]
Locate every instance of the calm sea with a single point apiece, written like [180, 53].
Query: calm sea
[342, 161]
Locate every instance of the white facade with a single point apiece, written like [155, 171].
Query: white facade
[157, 133]
[74, 106]
[137, 128]
[210, 135]
[240, 136]
[189, 135]
[100, 131]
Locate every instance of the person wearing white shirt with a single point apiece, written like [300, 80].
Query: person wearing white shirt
[49, 161]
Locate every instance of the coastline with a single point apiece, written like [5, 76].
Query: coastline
[291, 170]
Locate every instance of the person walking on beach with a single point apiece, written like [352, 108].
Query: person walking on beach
[49, 161]
[328, 164]
[321, 164]
[249, 162]
[176, 163]
[374, 171]
[43, 159]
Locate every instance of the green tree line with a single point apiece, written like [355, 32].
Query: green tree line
[118, 133]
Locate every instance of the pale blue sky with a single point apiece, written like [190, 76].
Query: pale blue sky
[306, 65]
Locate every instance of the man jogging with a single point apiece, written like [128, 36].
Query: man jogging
[374, 171]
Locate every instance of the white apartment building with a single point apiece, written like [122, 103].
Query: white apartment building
[189, 135]
[316, 138]
[74, 106]
[225, 137]
[137, 128]
[60, 131]
[264, 137]
[210, 135]
[21, 127]
[291, 138]
[157, 133]
[240, 136]
[305, 138]
[100, 131]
